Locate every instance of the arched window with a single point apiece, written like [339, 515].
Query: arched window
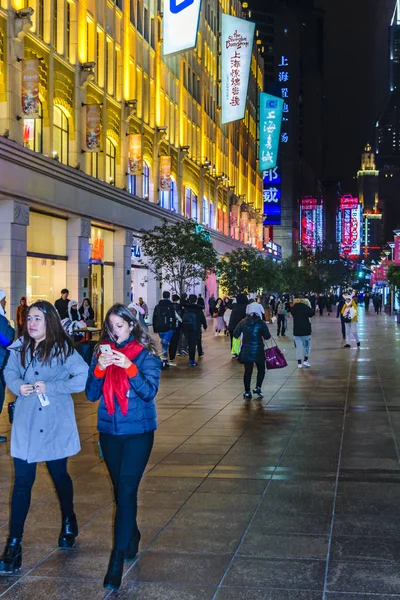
[190, 204]
[167, 198]
[146, 180]
[94, 164]
[33, 132]
[60, 135]
[132, 184]
[110, 161]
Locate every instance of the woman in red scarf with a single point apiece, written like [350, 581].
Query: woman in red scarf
[124, 376]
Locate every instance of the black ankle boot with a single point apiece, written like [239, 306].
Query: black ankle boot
[68, 533]
[113, 578]
[133, 548]
[11, 560]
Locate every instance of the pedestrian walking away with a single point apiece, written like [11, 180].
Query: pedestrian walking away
[193, 320]
[254, 331]
[219, 323]
[281, 313]
[211, 305]
[124, 376]
[173, 345]
[238, 313]
[350, 317]
[302, 312]
[43, 371]
[164, 323]
[22, 313]
[7, 334]
[340, 305]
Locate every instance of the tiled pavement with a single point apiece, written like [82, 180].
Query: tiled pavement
[297, 498]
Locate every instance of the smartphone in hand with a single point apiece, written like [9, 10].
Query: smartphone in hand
[106, 349]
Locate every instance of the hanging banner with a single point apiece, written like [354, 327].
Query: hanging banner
[253, 228]
[234, 215]
[244, 222]
[30, 88]
[397, 250]
[93, 127]
[135, 158]
[181, 23]
[272, 196]
[271, 109]
[165, 173]
[237, 47]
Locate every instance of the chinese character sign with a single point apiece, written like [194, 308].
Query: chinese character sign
[165, 173]
[135, 158]
[350, 226]
[237, 46]
[397, 250]
[180, 25]
[30, 88]
[283, 76]
[270, 129]
[272, 197]
[311, 223]
[93, 127]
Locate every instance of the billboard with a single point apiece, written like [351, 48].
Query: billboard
[311, 223]
[271, 109]
[165, 173]
[30, 88]
[181, 22]
[93, 127]
[397, 249]
[237, 47]
[350, 243]
[135, 159]
[272, 197]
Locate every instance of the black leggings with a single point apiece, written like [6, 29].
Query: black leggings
[126, 457]
[25, 474]
[248, 372]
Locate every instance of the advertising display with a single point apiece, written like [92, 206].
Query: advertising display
[135, 158]
[237, 46]
[260, 236]
[234, 220]
[350, 209]
[93, 127]
[165, 173]
[30, 88]
[272, 196]
[271, 109]
[397, 250]
[181, 22]
[244, 226]
[311, 223]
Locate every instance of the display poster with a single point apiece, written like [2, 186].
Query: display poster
[30, 88]
[165, 173]
[93, 127]
[135, 157]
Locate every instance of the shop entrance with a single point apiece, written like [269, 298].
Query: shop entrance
[96, 292]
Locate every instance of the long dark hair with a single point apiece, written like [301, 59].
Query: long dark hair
[57, 344]
[139, 333]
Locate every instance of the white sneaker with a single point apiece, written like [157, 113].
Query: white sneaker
[306, 363]
[300, 366]
[216, 334]
[172, 364]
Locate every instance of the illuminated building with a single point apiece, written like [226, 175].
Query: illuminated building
[61, 201]
[350, 227]
[368, 191]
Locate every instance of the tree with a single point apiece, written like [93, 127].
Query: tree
[393, 274]
[245, 270]
[181, 255]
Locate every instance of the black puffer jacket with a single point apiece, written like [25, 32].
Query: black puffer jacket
[255, 331]
[301, 313]
[238, 311]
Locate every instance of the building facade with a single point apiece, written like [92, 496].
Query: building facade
[70, 216]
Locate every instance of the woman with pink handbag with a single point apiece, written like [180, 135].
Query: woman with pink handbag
[254, 331]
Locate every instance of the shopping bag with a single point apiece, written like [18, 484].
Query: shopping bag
[274, 358]
[236, 344]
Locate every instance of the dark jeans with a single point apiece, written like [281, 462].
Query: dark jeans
[194, 339]
[25, 474]
[281, 324]
[343, 327]
[183, 343]
[126, 457]
[173, 345]
[248, 372]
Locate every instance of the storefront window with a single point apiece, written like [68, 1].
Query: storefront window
[146, 180]
[110, 161]
[60, 135]
[33, 132]
[47, 235]
[101, 291]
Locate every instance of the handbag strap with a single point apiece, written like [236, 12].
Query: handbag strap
[273, 340]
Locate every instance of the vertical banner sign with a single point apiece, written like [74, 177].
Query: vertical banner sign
[260, 234]
[30, 88]
[237, 47]
[253, 231]
[135, 158]
[350, 226]
[165, 173]
[397, 250]
[244, 226]
[234, 219]
[271, 109]
[272, 196]
[308, 212]
[181, 22]
[93, 127]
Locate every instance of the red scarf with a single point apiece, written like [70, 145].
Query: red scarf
[116, 381]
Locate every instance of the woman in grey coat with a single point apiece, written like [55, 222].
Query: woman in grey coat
[42, 371]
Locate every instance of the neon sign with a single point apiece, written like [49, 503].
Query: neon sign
[270, 127]
[350, 242]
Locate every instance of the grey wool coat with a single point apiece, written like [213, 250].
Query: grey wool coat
[50, 432]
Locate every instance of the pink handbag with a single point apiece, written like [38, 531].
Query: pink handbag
[274, 358]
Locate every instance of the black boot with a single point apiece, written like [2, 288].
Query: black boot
[68, 533]
[133, 548]
[11, 560]
[113, 578]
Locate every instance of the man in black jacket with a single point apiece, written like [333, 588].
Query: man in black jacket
[340, 305]
[164, 323]
[193, 320]
[301, 313]
[61, 305]
[238, 313]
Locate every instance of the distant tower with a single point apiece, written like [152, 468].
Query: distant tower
[368, 180]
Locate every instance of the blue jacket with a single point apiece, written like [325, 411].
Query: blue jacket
[6, 337]
[142, 414]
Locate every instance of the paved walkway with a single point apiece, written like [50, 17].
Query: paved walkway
[294, 499]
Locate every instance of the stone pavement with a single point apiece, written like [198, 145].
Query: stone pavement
[297, 498]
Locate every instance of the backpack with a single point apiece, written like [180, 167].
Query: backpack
[281, 309]
[164, 318]
[189, 321]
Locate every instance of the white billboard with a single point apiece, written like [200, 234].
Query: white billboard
[237, 47]
[181, 22]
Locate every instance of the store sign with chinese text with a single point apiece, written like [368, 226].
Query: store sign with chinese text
[271, 109]
[397, 250]
[283, 73]
[350, 209]
[135, 157]
[237, 46]
[180, 25]
[272, 197]
[30, 88]
[165, 173]
[311, 224]
[93, 127]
